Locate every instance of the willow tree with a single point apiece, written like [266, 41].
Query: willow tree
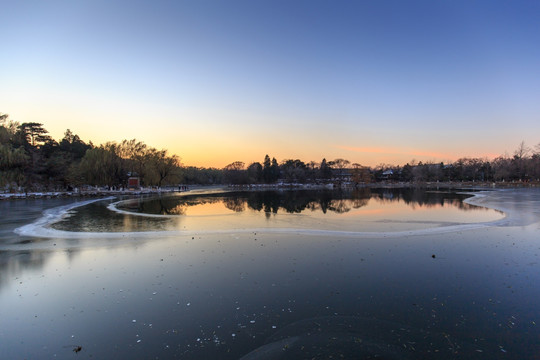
[161, 168]
[13, 159]
[136, 154]
[102, 166]
[12, 164]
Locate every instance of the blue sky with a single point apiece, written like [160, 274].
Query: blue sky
[220, 81]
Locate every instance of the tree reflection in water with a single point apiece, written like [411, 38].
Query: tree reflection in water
[235, 204]
[298, 201]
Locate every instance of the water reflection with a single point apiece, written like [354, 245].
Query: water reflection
[359, 210]
[338, 202]
[95, 217]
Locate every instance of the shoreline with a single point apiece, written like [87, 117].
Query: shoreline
[261, 187]
[41, 228]
[81, 194]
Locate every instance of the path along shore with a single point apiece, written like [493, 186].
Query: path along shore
[99, 192]
[83, 193]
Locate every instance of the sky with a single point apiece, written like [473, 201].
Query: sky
[220, 81]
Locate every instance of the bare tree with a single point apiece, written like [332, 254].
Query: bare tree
[235, 174]
[9, 125]
[522, 151]
[360, 174]
[340, 165]
[519, 161]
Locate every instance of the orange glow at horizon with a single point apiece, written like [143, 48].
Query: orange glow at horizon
[207, 145]
[422, 154]
[368, 156]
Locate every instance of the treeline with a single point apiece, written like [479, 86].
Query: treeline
[31, 160]
[295, 172]
[522, 166]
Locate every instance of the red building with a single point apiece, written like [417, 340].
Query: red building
[134, 182]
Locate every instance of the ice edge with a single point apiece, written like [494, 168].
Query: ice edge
[41, 227]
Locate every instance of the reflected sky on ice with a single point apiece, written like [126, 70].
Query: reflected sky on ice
[386, 212]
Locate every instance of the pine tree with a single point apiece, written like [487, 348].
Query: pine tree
[267, 170]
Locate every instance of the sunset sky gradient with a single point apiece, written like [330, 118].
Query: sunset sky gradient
[219, 81]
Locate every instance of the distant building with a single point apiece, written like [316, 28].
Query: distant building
[341, 175]
[134, 182]
[386, 175]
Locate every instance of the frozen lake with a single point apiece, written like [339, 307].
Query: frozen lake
[273, 275]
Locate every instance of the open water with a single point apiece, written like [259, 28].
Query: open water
[387, 273]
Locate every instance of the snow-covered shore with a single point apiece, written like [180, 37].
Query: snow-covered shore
[82, 194]
[98, 192]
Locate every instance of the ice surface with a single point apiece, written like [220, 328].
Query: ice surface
[521, 208]
[355, 337]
